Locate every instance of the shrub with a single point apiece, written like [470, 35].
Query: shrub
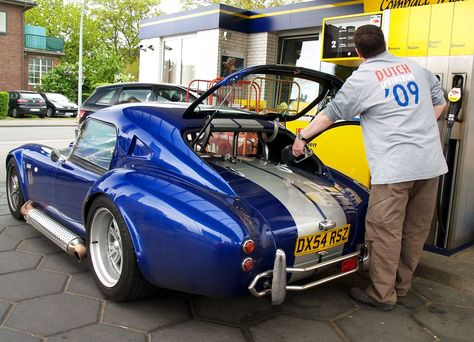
[3, 104]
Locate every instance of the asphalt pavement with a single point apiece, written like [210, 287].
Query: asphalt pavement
[45, 295]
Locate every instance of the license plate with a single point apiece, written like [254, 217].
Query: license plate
[323, 240]
[34, 110]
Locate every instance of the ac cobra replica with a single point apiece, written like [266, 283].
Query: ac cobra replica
[203, 198]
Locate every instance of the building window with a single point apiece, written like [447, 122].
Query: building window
[37, 68]
[179, 60]
[3, 23]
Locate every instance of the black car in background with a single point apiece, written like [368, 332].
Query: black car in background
[109, 95]
[58, 104]
[26, 102]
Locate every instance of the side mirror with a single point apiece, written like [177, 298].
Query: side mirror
[55, 155]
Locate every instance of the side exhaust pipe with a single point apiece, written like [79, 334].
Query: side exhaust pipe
[61, 236]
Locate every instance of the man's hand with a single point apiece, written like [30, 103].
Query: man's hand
[319, 124]
[298, 147]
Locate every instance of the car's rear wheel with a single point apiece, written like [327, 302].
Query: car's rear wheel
[112, 257]
[14, 112]
[49, 112]
[14, 194]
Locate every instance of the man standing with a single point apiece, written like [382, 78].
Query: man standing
[399, 103]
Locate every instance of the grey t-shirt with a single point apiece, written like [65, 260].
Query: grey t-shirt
[395, 98]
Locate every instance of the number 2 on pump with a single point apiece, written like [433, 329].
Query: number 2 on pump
[400, 93]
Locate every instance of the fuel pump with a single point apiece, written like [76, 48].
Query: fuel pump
[455, 98]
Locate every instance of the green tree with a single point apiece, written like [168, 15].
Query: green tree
[61, 79]
[244, 4]
[120, 22]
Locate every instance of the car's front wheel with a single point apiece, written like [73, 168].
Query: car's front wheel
[14, 194]
[112, 257]
[49, 112]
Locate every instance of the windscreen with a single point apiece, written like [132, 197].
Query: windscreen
[56, 97]
[284, 95]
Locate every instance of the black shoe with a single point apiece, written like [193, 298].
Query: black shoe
[361, 296]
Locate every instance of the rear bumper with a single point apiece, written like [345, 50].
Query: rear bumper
[275, 281]
[31, 110]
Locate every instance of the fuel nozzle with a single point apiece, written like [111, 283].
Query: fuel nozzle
[455, 100]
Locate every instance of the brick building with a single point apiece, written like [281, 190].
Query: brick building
[12, 66]
[26, 52]
[196, 44]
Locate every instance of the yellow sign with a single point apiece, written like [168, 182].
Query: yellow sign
[440, 30]
[398, 32]
[381, 5]
[322, 241]
[418, 31]
[463, 26]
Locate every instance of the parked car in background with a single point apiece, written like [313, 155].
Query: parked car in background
[26, 102]
[58, 104]
[112, 94]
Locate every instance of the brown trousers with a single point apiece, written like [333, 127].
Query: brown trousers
[397, 225]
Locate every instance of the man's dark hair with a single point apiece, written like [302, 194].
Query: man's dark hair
[369, 41]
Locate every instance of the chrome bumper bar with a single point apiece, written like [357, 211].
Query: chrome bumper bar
[279, 274]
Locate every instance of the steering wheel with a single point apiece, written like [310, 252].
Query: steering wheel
[288, 157]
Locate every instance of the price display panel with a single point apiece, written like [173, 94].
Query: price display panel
[338, 34]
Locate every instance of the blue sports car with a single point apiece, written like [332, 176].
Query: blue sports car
[203, 198]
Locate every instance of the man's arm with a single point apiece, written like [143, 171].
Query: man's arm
[438, 109]
[319, 124]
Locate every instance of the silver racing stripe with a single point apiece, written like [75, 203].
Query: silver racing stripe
[307, 202]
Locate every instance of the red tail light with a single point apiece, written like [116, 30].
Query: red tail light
[349, 264]
[21, 101]
[82, 112]
[248, 246]
[247, 264]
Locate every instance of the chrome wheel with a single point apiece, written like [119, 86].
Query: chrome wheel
[13, 189]
[105, 247]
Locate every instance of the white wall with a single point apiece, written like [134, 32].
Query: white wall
[150, 61]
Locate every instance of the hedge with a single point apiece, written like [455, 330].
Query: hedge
[3, 104]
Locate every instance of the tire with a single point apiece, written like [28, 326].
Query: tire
[41, 116]
[74, 115]
[14, 112]
[15, 197]
[49, 112]
[112, 257]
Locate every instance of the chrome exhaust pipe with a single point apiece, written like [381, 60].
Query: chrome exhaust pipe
[61, 236]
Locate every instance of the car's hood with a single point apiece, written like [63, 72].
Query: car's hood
[283, 75]
[64, 104]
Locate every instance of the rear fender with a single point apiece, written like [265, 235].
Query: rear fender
[182, 233]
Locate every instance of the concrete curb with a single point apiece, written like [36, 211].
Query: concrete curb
[447, 278]
[39, 123]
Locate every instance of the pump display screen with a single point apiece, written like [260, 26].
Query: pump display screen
[339, 34]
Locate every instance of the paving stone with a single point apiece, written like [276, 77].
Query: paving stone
[233, 310]
[326, 302]
[3, 309]
[286, 328]
[83, 283]
[14, 336]
[99, 332]
[53, 314]
[197, 331]
[412, 301]
[40, 245]
[28, 284]
[147, 314]
[10, 221]
[17, 261]
[4, 210]
[63, 262]
[11, 237]
[443, 294]
[374, 325]
[448, 322]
